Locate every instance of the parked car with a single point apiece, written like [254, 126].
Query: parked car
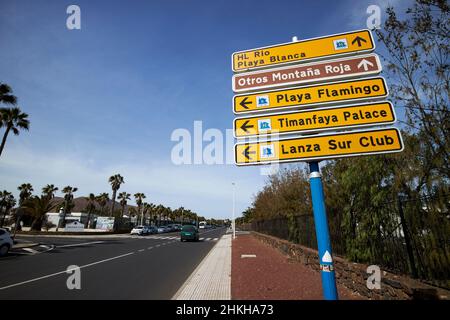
[6, 242]
[162, 229]
[140, 230]
[189, 232]
[169, 228]
[152, 229]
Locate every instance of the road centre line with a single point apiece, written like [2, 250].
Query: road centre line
[65, 271]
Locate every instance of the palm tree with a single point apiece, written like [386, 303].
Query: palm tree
[7, 202]
[167, 213]
[26, 190]
[123, 197]
[151, 209]
[159, 210]
[115, 181]
[37, 207]
[49, 191]
[181, 214]
[6, 96]
[139, 197]
[148, 208]
[102, 199]
[12, 119]
[68, 203]
[132, 212]
[90, 207]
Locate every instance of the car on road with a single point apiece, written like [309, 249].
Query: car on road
[140, 230]
[189, 232]
[6, 242]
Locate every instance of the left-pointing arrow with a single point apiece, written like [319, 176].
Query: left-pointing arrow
[247, 153]
[244, 103]
[245, 126]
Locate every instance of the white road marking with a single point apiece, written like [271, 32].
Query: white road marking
[202, 239]
[207, 239]
[248, 255]
[215, 239]
[141, 250]
[65, 271]
[79, 244]
[149, 248]
[30, 250]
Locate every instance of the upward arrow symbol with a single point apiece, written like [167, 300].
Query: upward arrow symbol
[359, 40]
[365, 64]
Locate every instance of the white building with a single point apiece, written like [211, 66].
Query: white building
[55, 217]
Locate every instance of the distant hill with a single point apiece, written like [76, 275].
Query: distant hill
[81, 203]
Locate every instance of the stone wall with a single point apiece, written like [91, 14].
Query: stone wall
[354, 276]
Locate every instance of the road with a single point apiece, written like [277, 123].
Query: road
[124, 267]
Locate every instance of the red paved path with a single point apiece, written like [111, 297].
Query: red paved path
[272, 276]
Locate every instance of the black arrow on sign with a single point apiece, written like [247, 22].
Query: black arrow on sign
[247, 152]
[244, 103]
[245, 126]
[359, 40]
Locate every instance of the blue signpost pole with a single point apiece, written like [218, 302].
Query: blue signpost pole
[322, 233]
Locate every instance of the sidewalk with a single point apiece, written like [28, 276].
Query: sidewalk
[271, 276]
[211, 279]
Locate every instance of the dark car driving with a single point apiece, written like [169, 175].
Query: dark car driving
[189, 233]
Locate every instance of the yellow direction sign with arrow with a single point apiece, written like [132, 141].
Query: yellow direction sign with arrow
[315, 48]
[333, 92]
[319, 147]
[348, 116]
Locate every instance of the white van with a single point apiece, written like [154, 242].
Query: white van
[202, 225]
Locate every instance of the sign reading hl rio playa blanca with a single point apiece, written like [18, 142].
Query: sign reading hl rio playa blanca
[316, 48]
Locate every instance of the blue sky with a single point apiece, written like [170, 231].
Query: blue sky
[105, 99]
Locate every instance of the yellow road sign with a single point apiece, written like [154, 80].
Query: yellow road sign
[315, 48]
[319, 147]
[363, 89]
[348, 116]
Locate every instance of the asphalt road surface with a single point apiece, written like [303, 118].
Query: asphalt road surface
[150, 267]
